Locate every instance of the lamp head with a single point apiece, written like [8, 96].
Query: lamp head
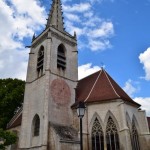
[81, 109]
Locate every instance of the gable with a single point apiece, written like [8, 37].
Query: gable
[100, 87]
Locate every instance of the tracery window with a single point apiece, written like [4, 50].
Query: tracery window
[112, 138]
[40, 61]
[36, 125]
[97, 136]
[61, 58]
[134, 138]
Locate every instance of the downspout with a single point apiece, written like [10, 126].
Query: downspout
[88, 146]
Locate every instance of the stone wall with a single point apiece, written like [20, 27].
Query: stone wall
[118, 110]
[62, 138]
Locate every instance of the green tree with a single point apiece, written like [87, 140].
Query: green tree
[6, 138]
[11, 98]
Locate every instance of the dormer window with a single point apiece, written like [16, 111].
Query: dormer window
[61, 57]
[40, 61]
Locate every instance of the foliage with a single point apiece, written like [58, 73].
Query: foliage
[8, 138]
[11, 98]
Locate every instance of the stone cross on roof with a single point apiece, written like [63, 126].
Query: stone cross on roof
[55, 17]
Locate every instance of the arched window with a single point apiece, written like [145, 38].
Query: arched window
[134, 137]
[112, 138]
[36, 125]
[97, 136]
[40, 61]
[61, 58]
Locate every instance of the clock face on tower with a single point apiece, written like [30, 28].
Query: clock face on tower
[60, 91]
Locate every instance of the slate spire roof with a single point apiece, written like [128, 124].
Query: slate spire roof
[100, 87]
[55, 17]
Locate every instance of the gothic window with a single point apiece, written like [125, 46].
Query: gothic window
[97, 136]
[40, 61]
[134, 138]
[61, 58]
[112, 138]
[36, 125]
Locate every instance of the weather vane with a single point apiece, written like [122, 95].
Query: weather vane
[102, 65]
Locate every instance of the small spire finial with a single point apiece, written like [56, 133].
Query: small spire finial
[33, 38]
[75, 35]
[102, 66]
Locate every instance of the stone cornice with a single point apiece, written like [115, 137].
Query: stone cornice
[58, 36]
[63, 36]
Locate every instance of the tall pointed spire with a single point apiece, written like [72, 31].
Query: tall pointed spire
[55, 17]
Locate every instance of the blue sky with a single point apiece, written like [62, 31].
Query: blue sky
[114, 34]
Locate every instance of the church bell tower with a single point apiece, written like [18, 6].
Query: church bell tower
[51, 81]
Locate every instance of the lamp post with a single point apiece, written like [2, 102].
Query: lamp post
[80, 112]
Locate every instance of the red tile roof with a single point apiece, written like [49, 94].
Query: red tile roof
[100, 87]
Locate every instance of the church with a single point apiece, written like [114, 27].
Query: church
[48, 119]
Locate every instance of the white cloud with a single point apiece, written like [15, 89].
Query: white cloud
[14, 64]
[131, 87]
[18, 20]
[82, 7]
[145, 103]
[92, 21]
[100, 1]
[71, 28]
[66, 1]
[86, 70]
[24, 7]
[145, 60]
[88, 14]
[99, 45]
[94, 1]
[73, 17]
[95, 31]
[105, 30]
[97, 37]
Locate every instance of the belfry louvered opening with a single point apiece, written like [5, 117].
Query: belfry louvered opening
[61, 57]
[40, 61]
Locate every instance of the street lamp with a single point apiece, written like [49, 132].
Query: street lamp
[80, 112]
